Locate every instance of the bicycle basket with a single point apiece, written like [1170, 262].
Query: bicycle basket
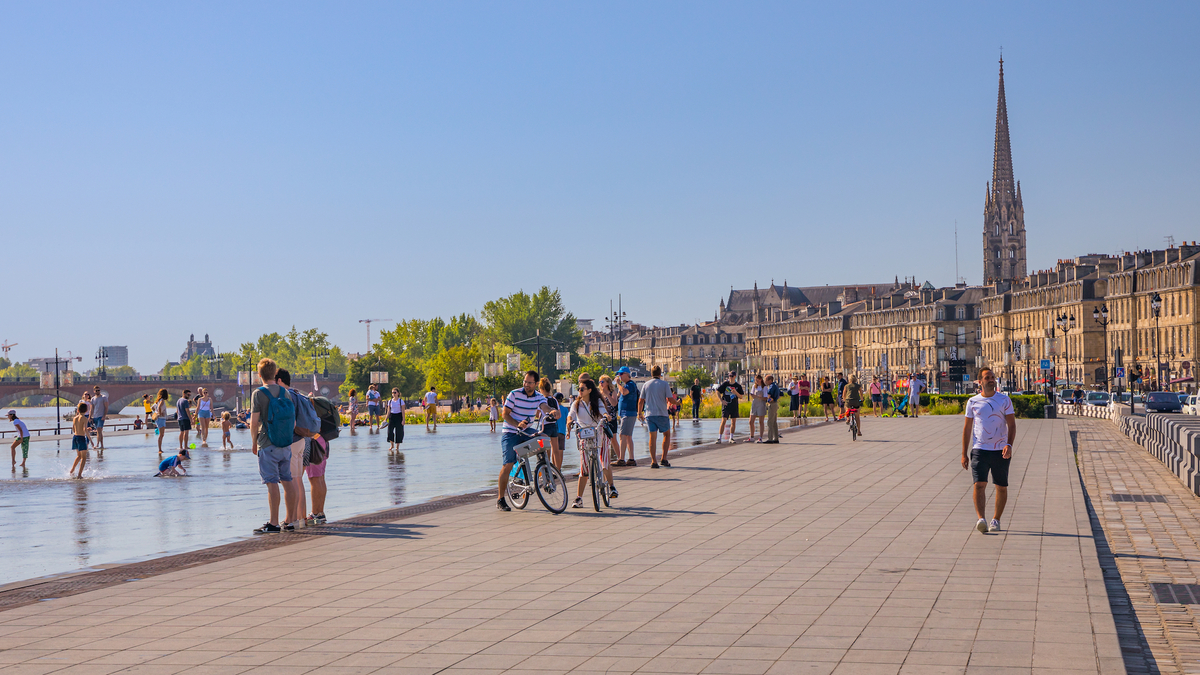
[533, 446]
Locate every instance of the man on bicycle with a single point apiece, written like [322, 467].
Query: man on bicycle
[520, 406]
[854, 402]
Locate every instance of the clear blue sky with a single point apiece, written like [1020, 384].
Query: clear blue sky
[238, 168]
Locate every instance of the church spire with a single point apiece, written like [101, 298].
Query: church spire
[1002, 168]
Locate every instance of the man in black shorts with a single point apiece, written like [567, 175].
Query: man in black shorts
[989, 429]
[729, 392]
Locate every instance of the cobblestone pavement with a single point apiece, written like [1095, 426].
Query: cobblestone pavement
[1152, 526]
[814, 556]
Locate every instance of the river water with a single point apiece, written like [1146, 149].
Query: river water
[50, 523]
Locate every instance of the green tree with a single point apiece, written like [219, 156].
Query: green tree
[516, 318]
[114, 371]
[402, 374]
[447, 370]
[19, 370]
[4, 363]
[685, 378]
[296, 351]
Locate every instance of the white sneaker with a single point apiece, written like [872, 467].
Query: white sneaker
[994, 526]
[982, 526]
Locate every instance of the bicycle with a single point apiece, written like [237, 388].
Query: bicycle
[853, 423]
[589, 443]
[548, 482]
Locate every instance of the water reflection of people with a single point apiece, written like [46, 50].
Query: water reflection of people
[397, 476]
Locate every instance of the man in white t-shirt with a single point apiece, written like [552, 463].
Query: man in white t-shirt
[431, 408]
[915, 386]
[989, 428]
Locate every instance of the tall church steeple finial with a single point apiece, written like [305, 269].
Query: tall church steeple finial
[1002, 166]
[1004, 254]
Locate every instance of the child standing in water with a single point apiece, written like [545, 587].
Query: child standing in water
[226, 425]
[493, 413]
[79, 439]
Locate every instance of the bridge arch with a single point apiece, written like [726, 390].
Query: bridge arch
[14, 396]
[173, 394]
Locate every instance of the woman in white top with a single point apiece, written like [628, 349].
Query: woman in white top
[395, 420]
[589, 411]
[352, 408]
[758, 408]
[493, 414]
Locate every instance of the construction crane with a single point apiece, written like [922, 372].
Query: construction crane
[6, 346]
[369, 322]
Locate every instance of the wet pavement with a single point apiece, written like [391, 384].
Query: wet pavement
[120, 512]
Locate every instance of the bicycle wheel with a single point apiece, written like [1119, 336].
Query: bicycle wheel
[594, 479]
[518, 494]
[551, 488]
[605, 489]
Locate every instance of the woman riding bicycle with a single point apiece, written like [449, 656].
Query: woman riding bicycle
[590, 412]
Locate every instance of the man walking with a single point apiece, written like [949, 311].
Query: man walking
[99, 410]
[729, 392]
[697, 394]
[773, 395]
[804, 391]
[627, 410]
[274, 454]
[652, 407]
[915, 386]
[989, 429]
[431, 408]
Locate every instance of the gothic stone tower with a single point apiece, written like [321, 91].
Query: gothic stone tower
[1003, 213]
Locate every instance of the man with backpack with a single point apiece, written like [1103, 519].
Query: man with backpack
[309, 452]
[272, 425]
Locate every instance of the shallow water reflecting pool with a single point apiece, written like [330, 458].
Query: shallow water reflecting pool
[119, 511]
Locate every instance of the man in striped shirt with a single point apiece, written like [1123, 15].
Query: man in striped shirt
[521, 406]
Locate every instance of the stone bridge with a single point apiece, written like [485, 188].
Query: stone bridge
[124, 391]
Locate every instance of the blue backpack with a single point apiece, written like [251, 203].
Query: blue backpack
[281, 418]
[307, 421]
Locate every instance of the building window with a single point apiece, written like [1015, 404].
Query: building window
[997, 254]
[960, 312]
[689, 349]
[1012, 227]
[941, 336]
[996, 229]
[962, 335]
[941, 313]
[724, 339]
[689, 341]
[1012, 253]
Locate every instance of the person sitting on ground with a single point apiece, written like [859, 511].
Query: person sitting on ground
[79, 439]
[173, 465]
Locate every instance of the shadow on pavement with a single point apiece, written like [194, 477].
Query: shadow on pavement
[370, 531]
[646, 512]
[709, 468]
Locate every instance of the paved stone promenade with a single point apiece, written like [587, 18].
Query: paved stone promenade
[814, 556]
[1154, 536]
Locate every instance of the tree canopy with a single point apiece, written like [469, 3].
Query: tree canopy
[517, 319]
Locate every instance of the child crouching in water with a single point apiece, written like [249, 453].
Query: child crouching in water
[79, 439]
[173, 465]
[226, 425]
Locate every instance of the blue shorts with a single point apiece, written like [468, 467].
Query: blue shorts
[550, 428]
[876, 398]
[161, 423]
[507, 443]
[373, 409]
[274, 464]
[659, 423]
[98, 422]
[79, 443]
[204, 414]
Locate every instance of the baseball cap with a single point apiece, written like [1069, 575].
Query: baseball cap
[623, 369]
[12, 413]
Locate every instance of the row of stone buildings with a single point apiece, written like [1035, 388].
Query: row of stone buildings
[1077, 315]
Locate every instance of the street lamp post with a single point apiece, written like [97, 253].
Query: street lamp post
[215, 358]
[322, 354]
[101, 362]
[1156, 309]
[1100, 316]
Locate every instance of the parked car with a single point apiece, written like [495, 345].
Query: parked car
[1183, 399]
[1189, 407]
[1163, 401]
[1098, 398]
